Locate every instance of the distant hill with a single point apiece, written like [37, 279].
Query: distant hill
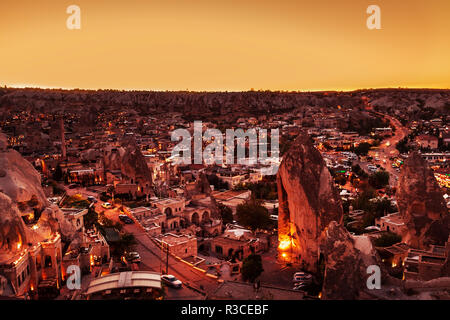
[412, 103]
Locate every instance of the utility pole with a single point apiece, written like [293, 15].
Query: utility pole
[167, 258]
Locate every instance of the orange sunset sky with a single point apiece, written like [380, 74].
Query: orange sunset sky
[225, 45]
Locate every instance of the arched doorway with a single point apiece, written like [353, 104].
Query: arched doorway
[195, 219]
[205, 217]
[168, 212]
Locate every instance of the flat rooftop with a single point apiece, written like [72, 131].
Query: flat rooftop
[174, 239]
[229, 194]
[166, 201]
[130, 279]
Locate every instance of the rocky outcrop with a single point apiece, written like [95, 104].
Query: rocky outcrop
[21, 194]
[129, 160]
[308, 202]
[201, 186]
[206, 104]
[200, 193]
[13, 232]
[20, 181]
[421, 204]
[346, 259]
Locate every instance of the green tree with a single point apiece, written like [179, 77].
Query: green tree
[252, 267]
[253, 215]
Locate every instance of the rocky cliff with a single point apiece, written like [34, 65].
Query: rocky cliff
[345, 262]
[13, 232]
[421, 204]
[20, 181]
[308, 202]
[21, 194]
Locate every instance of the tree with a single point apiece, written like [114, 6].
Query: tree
[362, 149]
[217, 182]
[125, 244]
[362, 202]
[91, 218]
[58, 174]
[253, 215]
[225, 212]
[402, 145]
[252, 267]
[357, 170]
[265, 189]
[379, 179]
[340, 179]
[387, 239]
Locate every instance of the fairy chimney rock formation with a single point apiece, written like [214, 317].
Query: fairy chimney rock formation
[346, 259]
[130, 161]
[421, 204]
[308, 200]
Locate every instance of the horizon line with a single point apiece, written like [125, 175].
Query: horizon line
[32, 86]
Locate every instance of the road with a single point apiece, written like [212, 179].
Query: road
[153, 259]
[388, 150]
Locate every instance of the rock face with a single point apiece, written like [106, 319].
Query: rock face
[13, 233]
[421, 204]
[20, 181]
[130, 161]
[308, 202]
[345, 259]
[21, 194]
[202, 188]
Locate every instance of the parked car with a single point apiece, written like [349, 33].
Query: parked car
[107, 205]
[125, 219]
[133, 257]
[171, 281]
[92, 199]
[302, 274]
[302, 277]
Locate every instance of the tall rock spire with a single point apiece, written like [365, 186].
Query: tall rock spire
[308, 202]
[421, 204]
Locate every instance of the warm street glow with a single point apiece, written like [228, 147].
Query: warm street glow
[284, 244]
